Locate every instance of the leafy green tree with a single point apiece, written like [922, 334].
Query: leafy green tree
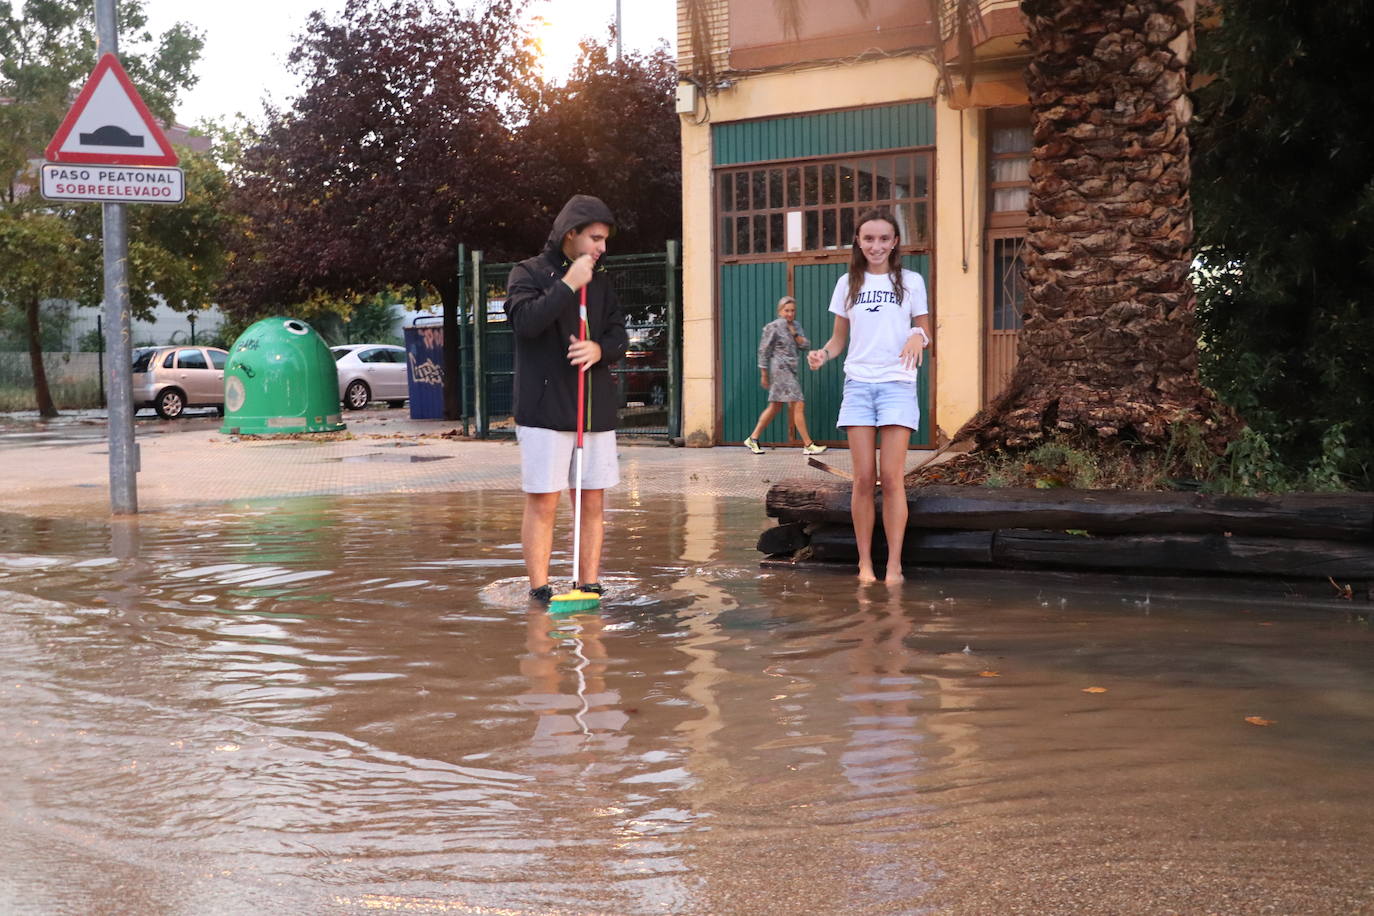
[38, 260]
[1283, 180]
[176, 253]
[51, 249]
[363, 319]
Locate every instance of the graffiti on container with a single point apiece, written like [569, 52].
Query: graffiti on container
[426, 373]
[251, 343]
[433, 338]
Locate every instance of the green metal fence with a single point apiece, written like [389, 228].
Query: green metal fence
[649, 378]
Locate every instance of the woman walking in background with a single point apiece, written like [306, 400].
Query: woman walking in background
[778, 351]
[880, 311]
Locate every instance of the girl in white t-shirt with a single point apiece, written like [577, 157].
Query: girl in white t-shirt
[880, 312]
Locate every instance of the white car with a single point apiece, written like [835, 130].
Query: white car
[372, 372]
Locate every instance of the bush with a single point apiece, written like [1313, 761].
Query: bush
[1251, 465]
[1283, 186]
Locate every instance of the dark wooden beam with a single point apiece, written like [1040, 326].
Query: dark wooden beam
[1344, 516]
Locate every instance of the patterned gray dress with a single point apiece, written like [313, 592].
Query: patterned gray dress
[778, 354]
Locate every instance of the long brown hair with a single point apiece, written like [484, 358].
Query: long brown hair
[858, 264]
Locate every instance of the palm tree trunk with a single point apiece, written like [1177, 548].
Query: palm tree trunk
[40, 376]
[1109, 343]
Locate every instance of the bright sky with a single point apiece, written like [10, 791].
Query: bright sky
[246, 43]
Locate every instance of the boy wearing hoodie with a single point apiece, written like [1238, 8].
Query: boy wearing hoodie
[542, 296]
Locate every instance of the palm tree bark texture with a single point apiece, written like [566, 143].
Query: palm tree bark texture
[1109, 343]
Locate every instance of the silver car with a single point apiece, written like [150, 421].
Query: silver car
[171, 379]
[372, 372]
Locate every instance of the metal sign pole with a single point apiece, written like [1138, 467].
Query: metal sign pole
[114, 219]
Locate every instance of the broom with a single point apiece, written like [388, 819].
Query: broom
[578, 600]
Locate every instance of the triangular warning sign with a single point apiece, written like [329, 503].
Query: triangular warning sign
[109, 124]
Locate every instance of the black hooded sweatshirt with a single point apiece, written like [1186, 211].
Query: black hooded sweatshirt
[543, 313]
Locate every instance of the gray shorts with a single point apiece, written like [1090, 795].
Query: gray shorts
[547, 465]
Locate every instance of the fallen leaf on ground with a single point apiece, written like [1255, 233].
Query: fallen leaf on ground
[1094, 689]
[988, 674]
[1259, 720]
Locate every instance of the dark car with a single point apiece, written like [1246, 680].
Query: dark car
[644, 370]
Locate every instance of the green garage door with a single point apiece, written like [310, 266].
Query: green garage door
[749, 295]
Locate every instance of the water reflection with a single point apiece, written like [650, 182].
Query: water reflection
[575, 709]
[332, 704]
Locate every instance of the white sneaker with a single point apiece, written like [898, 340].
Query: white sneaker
[813, 449]
[753, 445]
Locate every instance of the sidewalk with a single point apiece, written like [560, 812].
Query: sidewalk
[61, 468]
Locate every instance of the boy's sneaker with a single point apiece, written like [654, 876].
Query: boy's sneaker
[813, 449]
[543, 594]
[753, 445]
[593, 588]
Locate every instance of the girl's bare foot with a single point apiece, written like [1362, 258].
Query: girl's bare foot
[866, 575]
[894, 577]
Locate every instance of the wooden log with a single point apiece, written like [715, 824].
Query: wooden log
[809, 499]
[1304, 515]
[836, 544]
[1346, 516]
[1193, 553]
[1200, 590]
[786, 538]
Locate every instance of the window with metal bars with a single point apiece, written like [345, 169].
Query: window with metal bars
[812, 206]
[1008, 283]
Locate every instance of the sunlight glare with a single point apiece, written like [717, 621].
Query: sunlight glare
[557, 47]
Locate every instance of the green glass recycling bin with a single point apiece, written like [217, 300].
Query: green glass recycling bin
[281, 379]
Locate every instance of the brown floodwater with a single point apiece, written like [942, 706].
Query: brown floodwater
[346, 705]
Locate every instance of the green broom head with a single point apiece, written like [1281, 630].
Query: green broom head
[573, 602]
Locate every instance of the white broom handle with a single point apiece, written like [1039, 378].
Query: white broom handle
[577, 519]
[581, 406]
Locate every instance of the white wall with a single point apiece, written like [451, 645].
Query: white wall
[168, 326]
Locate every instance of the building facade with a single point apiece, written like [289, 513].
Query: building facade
[794, 121]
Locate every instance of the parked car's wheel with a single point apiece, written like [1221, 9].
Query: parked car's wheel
[219, 410]
[357, 394]
[395, 403]
[171, 403]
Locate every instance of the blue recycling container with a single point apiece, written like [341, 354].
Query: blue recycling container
[425, 353]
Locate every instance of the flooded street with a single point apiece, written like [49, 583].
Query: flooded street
[346, 705]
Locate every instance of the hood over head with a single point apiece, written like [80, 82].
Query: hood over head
[580, 210]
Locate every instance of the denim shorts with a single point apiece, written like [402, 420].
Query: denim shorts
[879, 404]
